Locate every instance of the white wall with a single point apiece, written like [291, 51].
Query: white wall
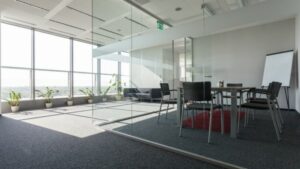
[239, 56]
[298, 48]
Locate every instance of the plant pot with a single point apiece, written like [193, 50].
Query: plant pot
[70, 102]
[15, 109]
[118, 97]
[90, 101]
[49, 105]
[104, 99]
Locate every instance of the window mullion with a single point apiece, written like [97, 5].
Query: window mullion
[32, 71]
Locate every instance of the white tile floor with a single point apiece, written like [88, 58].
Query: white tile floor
[79, 121]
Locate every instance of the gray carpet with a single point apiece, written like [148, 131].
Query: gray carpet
[25, 146]
[255, 148]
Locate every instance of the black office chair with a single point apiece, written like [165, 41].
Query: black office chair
[198, 95]
[263, 92]
[165, 92]
[271, 97]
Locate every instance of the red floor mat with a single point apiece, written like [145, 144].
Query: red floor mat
[202, 121]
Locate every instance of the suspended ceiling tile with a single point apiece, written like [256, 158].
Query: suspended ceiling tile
[47, 4]
[64, 28]
[125, 27]
[109, 9]
[72, 17]
[82, 5]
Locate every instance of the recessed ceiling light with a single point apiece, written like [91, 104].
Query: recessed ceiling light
[178, 9]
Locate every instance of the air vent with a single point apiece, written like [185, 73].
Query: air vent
[71, 26]
[32, 5]
[63, 32]
[71, 8]
[110, 31]
[136, 22]
[142, 2]
[103, 35]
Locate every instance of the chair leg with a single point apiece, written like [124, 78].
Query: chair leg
[167, 111]
[245, 118]
[181, 121]
[222, 121]
[210, 125]
[277, 118]
[203, 121]
[238, 121]
[275, 125]
[280, 114]
[159, 112]
[193, 118]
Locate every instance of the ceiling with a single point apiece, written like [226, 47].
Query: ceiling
[248, 16]
[108, 21]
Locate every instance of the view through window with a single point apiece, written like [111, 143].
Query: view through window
[52, 66]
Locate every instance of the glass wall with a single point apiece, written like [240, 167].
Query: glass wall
[156, 55]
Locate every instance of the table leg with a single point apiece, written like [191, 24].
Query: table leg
[179, 106]
[233, 114]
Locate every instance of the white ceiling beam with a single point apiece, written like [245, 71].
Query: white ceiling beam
[103, 24]
[57, 9]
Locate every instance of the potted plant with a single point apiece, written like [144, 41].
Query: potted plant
[114, 83]
[70, 101]
[89, 93]
[47, 95]
[14, 101]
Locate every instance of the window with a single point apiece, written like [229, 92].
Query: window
[83, 59]
[54, 80]
[83, 80]
[125, 69]
[109, 67]
[85, 68]
[52, 52]
[15, 60]
[125, 75]
[15, 46]
[17, 80]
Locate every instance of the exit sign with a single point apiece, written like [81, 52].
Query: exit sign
[160, 25]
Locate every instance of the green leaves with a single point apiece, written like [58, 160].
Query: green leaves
[88, 92]
[14, 98]
[48, 94]
[114, 83]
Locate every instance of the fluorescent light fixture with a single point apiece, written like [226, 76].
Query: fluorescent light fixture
[207, 10]
[243, 3]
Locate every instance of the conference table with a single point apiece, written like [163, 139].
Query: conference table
[234, 108]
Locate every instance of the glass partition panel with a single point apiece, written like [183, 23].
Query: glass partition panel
[143, 53]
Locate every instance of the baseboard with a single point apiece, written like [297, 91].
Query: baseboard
[208, 160]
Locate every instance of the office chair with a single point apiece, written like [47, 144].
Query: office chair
[272, 94]
[165, 92]
[198, 95]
